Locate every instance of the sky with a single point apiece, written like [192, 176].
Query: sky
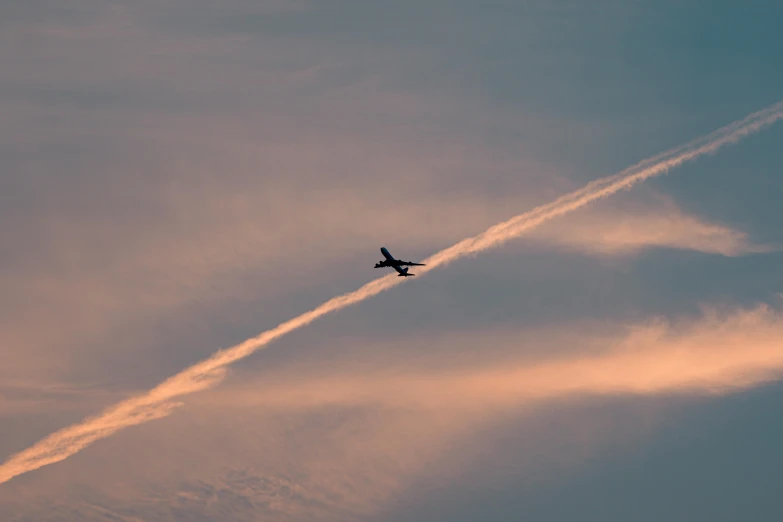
[178, 177]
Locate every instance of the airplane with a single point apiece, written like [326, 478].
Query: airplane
[396, 263]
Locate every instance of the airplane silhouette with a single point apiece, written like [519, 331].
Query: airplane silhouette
[396, 263]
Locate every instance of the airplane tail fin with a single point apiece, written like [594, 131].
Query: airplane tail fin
[404, 272]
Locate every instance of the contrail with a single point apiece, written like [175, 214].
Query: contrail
[160, 401]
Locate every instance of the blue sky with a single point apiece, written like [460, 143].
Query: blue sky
[177, 177]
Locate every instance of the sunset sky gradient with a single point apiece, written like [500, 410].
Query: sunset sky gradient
[180, 176]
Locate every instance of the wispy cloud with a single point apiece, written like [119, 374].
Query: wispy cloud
[361, 438]
[716, 353]
[659, 225]
[161, 400]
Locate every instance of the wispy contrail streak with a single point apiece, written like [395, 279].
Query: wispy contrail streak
[160, 401]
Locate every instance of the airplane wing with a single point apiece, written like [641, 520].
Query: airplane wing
[395, 263]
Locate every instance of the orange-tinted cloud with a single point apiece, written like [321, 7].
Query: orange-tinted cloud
[661, 225]
[717, 353]
[337, 443]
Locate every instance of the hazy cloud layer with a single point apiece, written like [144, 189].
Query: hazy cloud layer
[161, 400]
[176, 177]
[365, 437]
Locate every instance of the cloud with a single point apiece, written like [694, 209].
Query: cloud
[717, 353]
[145, 190]
[423, 420]
[159, 401]
[146, 221]
[658, 225]
[98, 281]
[335, 442]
